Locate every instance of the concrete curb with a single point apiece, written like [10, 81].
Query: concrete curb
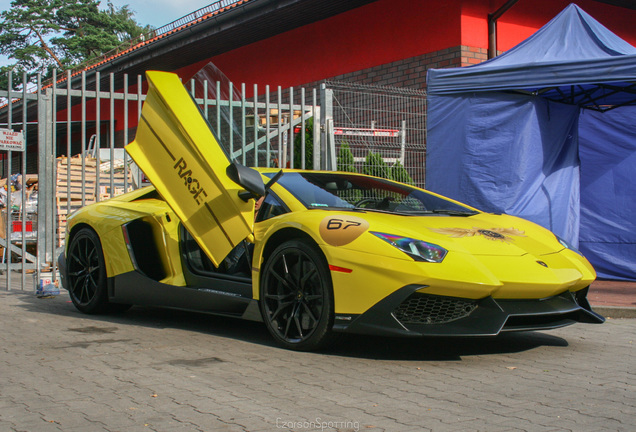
[615, 311]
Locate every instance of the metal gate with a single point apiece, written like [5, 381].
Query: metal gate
[18, 216]
[377, 130]
[75, 131]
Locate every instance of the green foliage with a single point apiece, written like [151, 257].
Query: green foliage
[374, 165]
[24, 33]
[345, 160]
[309, 146]
[44, 34]
[90, 32]
[399, 173]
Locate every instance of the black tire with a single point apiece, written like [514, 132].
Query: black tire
[86, 270]
[296, 296]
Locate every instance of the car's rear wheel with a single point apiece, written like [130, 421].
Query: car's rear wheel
[86, 271]
[297, 296]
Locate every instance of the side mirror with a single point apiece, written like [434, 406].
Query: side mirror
[248, 179]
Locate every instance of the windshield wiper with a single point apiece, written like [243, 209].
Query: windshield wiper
[328, 207]
[358, 210]
[454, 212]
[463, 213]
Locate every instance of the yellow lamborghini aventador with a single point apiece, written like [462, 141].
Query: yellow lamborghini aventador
[326, 252]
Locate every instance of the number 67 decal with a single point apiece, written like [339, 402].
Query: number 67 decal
[334, 224]
[339, 230]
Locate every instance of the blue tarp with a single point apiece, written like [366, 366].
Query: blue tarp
[545, 131]
[608, 191]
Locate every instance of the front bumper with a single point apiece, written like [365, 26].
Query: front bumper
[410, 313]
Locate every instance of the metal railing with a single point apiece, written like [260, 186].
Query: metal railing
[75, 138]
[16, 235]
[74, 148]
[379, 130]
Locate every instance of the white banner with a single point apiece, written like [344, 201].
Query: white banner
[11, 140]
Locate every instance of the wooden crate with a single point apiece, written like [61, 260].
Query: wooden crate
[86, 184]
[120, 183]
[75, 187]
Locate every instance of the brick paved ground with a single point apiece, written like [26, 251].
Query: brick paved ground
[158, 370]
[613, 293]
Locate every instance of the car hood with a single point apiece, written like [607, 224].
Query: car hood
[481, 234]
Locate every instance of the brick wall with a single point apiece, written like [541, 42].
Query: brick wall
[411, 72]
[472, 55]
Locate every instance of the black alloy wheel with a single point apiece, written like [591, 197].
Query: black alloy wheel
[86, 271]
[297, 296]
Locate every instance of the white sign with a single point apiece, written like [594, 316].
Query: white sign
[367, 132]
[11, 140]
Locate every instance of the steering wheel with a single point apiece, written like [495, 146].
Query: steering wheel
[359, 203]
[378, 204]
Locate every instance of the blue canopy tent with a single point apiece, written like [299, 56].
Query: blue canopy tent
[545, 131]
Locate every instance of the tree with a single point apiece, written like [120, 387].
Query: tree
[345, 160]
[89, 32]
[374, 165]
[25, 31]
[40, 35]
[399, 173]
[309, 146]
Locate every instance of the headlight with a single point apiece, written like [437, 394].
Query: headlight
[417, 249]
[567, 245]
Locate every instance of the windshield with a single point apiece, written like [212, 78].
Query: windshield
[318, 190]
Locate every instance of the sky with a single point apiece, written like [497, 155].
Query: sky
[154, 12]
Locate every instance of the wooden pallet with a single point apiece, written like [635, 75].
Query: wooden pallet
[75, 187]
[85, 185]
[120, 183]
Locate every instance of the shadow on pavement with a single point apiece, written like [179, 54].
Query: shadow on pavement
[355, 346]
[442, 348]
[160, 318]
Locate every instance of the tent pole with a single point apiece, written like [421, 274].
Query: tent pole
[492, 27]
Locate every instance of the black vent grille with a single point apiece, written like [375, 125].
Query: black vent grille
[428, 309]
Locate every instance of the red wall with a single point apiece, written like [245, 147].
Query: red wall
[527, 16]
[390, 30]
[383, 32]
[375, 34]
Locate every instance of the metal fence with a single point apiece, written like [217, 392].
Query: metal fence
[257, 126]
[75, 132]
[378, 130]
[18, 217]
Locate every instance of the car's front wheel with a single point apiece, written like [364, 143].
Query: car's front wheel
[296, 296]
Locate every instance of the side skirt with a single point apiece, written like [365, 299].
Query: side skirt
[137, 289]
